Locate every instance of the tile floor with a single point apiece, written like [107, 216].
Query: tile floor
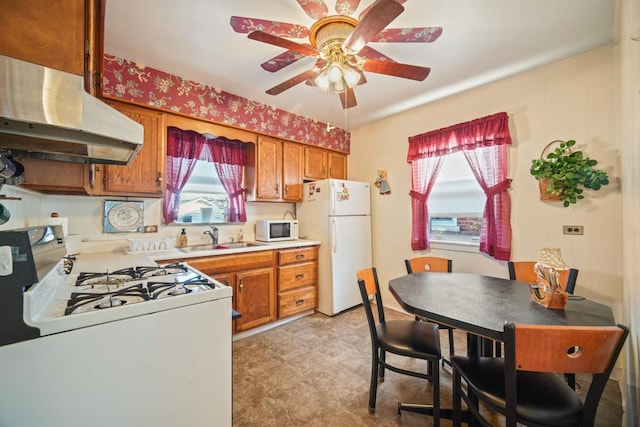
[315, 372]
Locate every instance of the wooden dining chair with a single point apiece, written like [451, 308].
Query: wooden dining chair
[409, 338]
[524, 385]
[439, 265]
[524, 271]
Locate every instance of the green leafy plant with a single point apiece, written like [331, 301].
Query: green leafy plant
[567, 171]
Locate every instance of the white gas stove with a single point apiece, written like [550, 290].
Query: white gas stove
[84, 325]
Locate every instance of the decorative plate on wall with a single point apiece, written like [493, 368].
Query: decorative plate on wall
[123, 217]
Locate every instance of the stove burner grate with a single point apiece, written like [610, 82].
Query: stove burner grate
[80, 299]
[156, 289]
[161, 271]
[114, 278]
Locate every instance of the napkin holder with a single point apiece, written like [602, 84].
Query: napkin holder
[548, 291]
[547, 297]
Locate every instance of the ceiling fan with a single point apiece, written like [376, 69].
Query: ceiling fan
[339, 42]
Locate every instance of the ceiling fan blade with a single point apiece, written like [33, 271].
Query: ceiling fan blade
[348, 98]
[315, 9]
[370, 53]
[277, 63]
[417, 34]
[368, 8]
[396, 69]
[241, 24]
[346, 7]
[288, 84]
[279, 41]
[381, 14]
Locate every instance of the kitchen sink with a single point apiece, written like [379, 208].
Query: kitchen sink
[212, 247]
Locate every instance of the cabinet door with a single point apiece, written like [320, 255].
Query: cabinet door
[292, 155]
[269, 168]
[255, 298]
[49, 33]
[54, 177]
[144, 175]
[315, 163]
[337, 165]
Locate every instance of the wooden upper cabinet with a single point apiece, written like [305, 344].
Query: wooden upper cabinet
[292, 158]
[49, 33]
[268, 168]
[337, 165]
[315, 163]
[144, 176]
[56, 177]
[274, 171]
[321, 164]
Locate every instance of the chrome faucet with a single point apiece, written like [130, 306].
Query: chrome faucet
[213, 233]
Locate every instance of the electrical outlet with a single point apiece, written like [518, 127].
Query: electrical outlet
[150, 228]
[572, 229]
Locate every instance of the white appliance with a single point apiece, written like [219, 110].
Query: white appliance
[109, 340]
[276, 230]
[338, 213]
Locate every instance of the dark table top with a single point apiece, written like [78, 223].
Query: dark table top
[482, 305]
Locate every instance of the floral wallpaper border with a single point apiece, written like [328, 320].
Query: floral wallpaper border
[126, 80]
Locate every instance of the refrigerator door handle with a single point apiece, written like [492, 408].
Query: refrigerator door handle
[332, 198]
[334, 235]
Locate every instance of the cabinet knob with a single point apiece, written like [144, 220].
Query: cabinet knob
[299, 276]
[159, 179]
[300, 302]
[299, 256]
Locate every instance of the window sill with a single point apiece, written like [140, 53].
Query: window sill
[472, 247]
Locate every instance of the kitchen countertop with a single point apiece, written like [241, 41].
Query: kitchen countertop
[95, 261]
[259, 246]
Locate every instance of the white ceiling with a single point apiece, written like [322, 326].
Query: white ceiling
[482, 41]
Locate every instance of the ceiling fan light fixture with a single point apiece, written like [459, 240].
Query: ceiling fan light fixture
[334, 72]
[322, 81]
[351, 76]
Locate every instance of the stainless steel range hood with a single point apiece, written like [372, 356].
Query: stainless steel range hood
[46, 113]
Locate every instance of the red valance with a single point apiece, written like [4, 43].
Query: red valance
[482, 132]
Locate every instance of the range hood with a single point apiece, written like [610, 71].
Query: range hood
[46, 113]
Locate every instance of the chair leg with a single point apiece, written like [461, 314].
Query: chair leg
[382, 359]
[451, 349]
[436, 393]
[457, 399]
[373, 387]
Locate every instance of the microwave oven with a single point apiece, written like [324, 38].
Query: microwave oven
[276, 230]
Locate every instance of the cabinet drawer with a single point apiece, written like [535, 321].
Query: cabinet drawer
[229, 263]
[297, 275]
[290, 256]
[297, 301]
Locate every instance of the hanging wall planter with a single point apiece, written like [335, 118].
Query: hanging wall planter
[562, 173]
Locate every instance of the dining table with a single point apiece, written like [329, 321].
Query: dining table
[481, 305]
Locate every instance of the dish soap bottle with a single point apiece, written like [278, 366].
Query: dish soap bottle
[182, 239]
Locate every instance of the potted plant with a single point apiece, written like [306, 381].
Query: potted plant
[565, 171]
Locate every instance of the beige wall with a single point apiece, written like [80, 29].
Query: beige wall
[572, 99]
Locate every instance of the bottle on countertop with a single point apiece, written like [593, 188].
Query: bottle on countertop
[182, 240]
[240, 236]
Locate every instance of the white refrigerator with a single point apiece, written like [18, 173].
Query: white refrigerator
[337, 213]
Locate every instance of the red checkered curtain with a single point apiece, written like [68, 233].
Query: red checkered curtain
[229, 158]
[483, 142]
[183, 149]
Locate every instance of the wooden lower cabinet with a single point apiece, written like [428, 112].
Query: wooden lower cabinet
[297, 280]
[267, 285]
[254, 298]
[251, 275]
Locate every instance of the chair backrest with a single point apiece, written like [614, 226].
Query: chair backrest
[428, 264]
[524, 272]
[370, 289]
[563, 349]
